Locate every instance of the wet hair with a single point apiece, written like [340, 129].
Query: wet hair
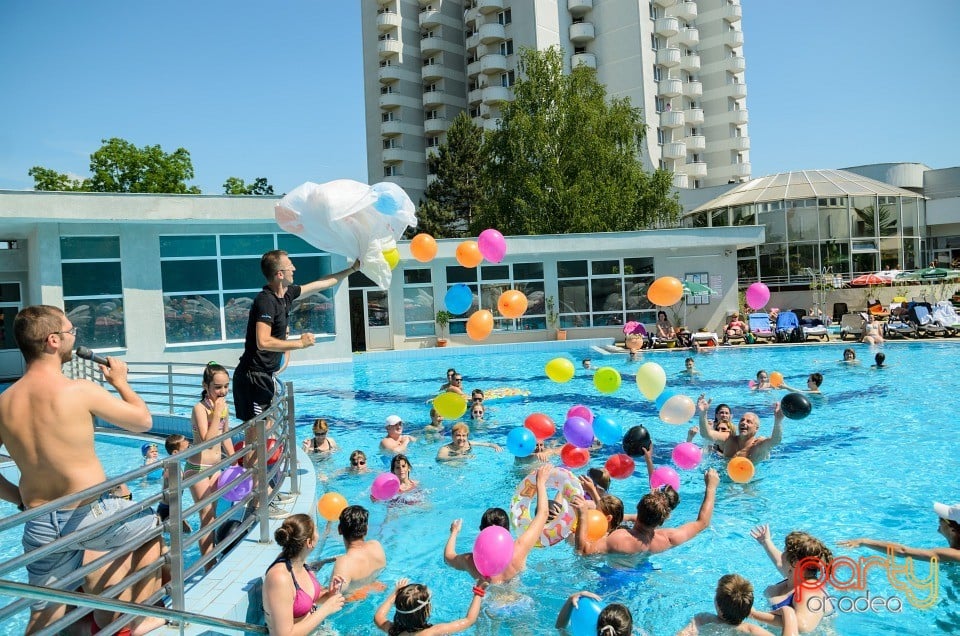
[353, 522]
[673, 497]
[800, 545]
[853, 354]
[475, 393]
[585, 361]
[460, 426]
[615, 620]
[483, 411]
[879, 358]
[355, 455]
[172, 443]
[716, 411]
[495, 517]
[686, 360]
[734, 598]
[397, 459]
[293, 535]
[433, 414]
[412, 609]
[653, 509]
[613, 507]
[32, 326]
[209, 372]
[817, 378]
[270, 263]
[451, 371]
[759, 372]
[600, 477]
[320, 425]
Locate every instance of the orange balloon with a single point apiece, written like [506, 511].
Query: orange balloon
[776, 379]
[468, 254]
[740, 470]
[512, 303]
[480, 324]
[423, 247]
[331, 505]
[665, 291]
[597, 525]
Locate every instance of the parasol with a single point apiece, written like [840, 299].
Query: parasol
[697, 289]
[871, 279]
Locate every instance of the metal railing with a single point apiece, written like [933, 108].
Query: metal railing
[164, 387]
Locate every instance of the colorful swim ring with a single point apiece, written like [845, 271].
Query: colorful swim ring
[523, 505]
[504, 393]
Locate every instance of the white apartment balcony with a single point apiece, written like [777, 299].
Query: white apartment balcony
[667, 27]
[668, 57]
[736, 64]
[387, 48]
[472, 41]
[489, 6]
[392, 155]
[430, 45]
[491, 124]
[475, 96]
[433, 98]
[473, 69]
[675, 150]
[738, 143]
[435, 126]
[583, 59]
[388, 21]
[680, 180]
[581, 32]
[690, 62]
[695, 143]
[689, 36]
[737, 91]
[429, 18]
[740, 170]
[485, 111]
[665, 3]
[431, 71]
[693, 89]
[693, 116]
[669, 87]
[738, 117]
[496, 95]
[391, 100]
[732, 13]
[471, 16]
[696, 169]
[672, 119]
[432, 151]
[494, 63]
[733, 39]
[578, 7]
[492, 32]
[389, 73]
[685, 10]
[391, 128]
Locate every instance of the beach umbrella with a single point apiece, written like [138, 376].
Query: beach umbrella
[930, 273]
[697, 289]
[870, 279]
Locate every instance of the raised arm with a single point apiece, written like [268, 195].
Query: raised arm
[763, 448]
[898, 549]
[762, 534]
[462, 562]
[328, 282]
[130, 412]
[530, 536]
[689, 530]
[581, 542]
[703, 405]
[461, 624]
[380, 617]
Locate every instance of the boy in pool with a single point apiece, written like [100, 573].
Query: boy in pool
[879, 360]
[813, 384]
[586, 363]
[689, 368]
[173, 444]
[733, 602]
[849, 356]
[435, 427]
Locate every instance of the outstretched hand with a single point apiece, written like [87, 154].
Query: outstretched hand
[455, 526]
[703, 404]
[761, 533]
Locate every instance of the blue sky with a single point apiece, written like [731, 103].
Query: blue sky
[275, 89]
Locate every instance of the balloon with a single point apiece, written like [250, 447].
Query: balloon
[583, 618]
[607, 380]
[665, 291]
[389, 199]
[687, 455]
[597, 525]
[392, 257]
[651, 379]
[662, 399]
[277, 451]
[331, 505]
[468, 254]
[385, 486]
[665, 476]
[540, 425]
[678, 410]
[492, 550]
[423, 247]
[458, 299]
[620, 466]
[559, 370]
[239, 491]
[578, 432]
[606, 430]
[521, 441]
[492, 245]
[512, 303]
[450, 405]
[776, 379]
[758, 295]
[636, 441]
[580, 411]
[740, 470]
[480, 324]
[796, 406]
[574, 457]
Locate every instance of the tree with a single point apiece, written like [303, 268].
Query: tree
[46, 179]
[259, 187]
[453, 199]
[565, 159]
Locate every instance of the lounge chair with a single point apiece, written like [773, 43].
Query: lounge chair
[760, 326]
[877, 310]
[788, 327]
[813, 328]
[706, 338]
[839, 309]
[851, 325]
[919, 317]
[898, 325]
[800, 312]
[946, 316]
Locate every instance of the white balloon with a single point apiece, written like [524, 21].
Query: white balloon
[678, 410]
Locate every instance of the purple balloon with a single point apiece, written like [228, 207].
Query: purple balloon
[665, 476]
[493, 550]
[581, 411]
[578, 432]
[240, 490]
[492, 245]
[385, 486]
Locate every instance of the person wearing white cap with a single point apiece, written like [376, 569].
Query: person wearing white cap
[949, 528]
[395, 441]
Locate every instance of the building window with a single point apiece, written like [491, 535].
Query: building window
[507, 79]
[474, 111]
[505, 17]
[390, 143]
[432, 114]
[93, 289]
[506, 48]
[426, 34]
[661, 136]
[387, 116]
[429, 61]
[209, 282]
[487, 282]
[386, 90]
[390, 171]
[599, 293]
[433, 142]
[418, 308]
[657, 73]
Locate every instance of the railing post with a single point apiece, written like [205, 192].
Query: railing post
[170, 388]
[292, 440]
[171, 495]
[260, 479]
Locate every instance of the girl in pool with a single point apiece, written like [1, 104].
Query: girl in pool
[358, 462]
[762, 383]
[321, 442]
[477, 411]
[210, 418]
[412, 611]
[400, 466]
[461, 445]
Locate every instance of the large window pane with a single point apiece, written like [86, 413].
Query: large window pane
[864, 262]
[92, 279]
[802, 224]
[834, 219]
[571, 269]
[602, 268]
[183, 246]
[193, 275]
[244, 273]
[803, 256]
[637, 266]
[747, 269]
[743, 215]
[418, 305]
[836, 256]
[194, 318]
[863, 216]
[909, 216]
[236, 311]
[606, 295]
[573, 296]
[773, 260]
[295, 245]
[528, 271]
[457, 274]
[890, 253]
[244, 244]
[314, 314]
[720, 218]
[99, 323]
[89, 247]
[776, 225]
[495, 272]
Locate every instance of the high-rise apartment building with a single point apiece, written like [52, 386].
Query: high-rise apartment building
[680, 61]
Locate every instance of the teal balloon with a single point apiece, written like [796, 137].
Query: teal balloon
[583, 618]
[458, 299]
[606, 430]
[521, 441]
[662, 399]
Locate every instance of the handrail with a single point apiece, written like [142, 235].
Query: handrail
[278, 421]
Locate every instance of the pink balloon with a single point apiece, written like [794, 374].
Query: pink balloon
[492, 245]
[492, 550]
[687, 455]
[758, 295]
[385, 486]
[580, 411]
[665, 476]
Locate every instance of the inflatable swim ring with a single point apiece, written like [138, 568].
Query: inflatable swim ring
[504, 393]
[522, 507]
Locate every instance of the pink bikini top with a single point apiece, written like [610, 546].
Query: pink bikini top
[302, 602]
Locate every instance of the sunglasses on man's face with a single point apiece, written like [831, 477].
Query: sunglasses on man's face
[359, 462]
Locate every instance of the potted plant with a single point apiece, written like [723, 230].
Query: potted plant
[553, 318]
[443, 319]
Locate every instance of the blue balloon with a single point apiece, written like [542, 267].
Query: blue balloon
[458, 300]
[521, 441]
[583, 618]
[606, 430]
[388, 201]
[662, 399]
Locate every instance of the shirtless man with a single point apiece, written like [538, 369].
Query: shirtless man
[646, 536]
[355, 570]
[395, 441]
[743, 440]
[497, 516]
[46, 424]
[461, 446]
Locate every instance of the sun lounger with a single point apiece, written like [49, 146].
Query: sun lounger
[898, 326]
[706, 338]
[759, 324]
[946, 316]
[788, 327]
[813, 328]
[919, 317]
[851, 325]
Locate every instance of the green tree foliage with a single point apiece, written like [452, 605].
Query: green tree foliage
[565, 159]
[452, 200]
[235, 185]
[51, 180]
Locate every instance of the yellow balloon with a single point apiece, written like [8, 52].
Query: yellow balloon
[559, 370]
[450, 405]
[392, 256]
[651, 380]
[606, 379]
[740, 470]
[331, 505]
